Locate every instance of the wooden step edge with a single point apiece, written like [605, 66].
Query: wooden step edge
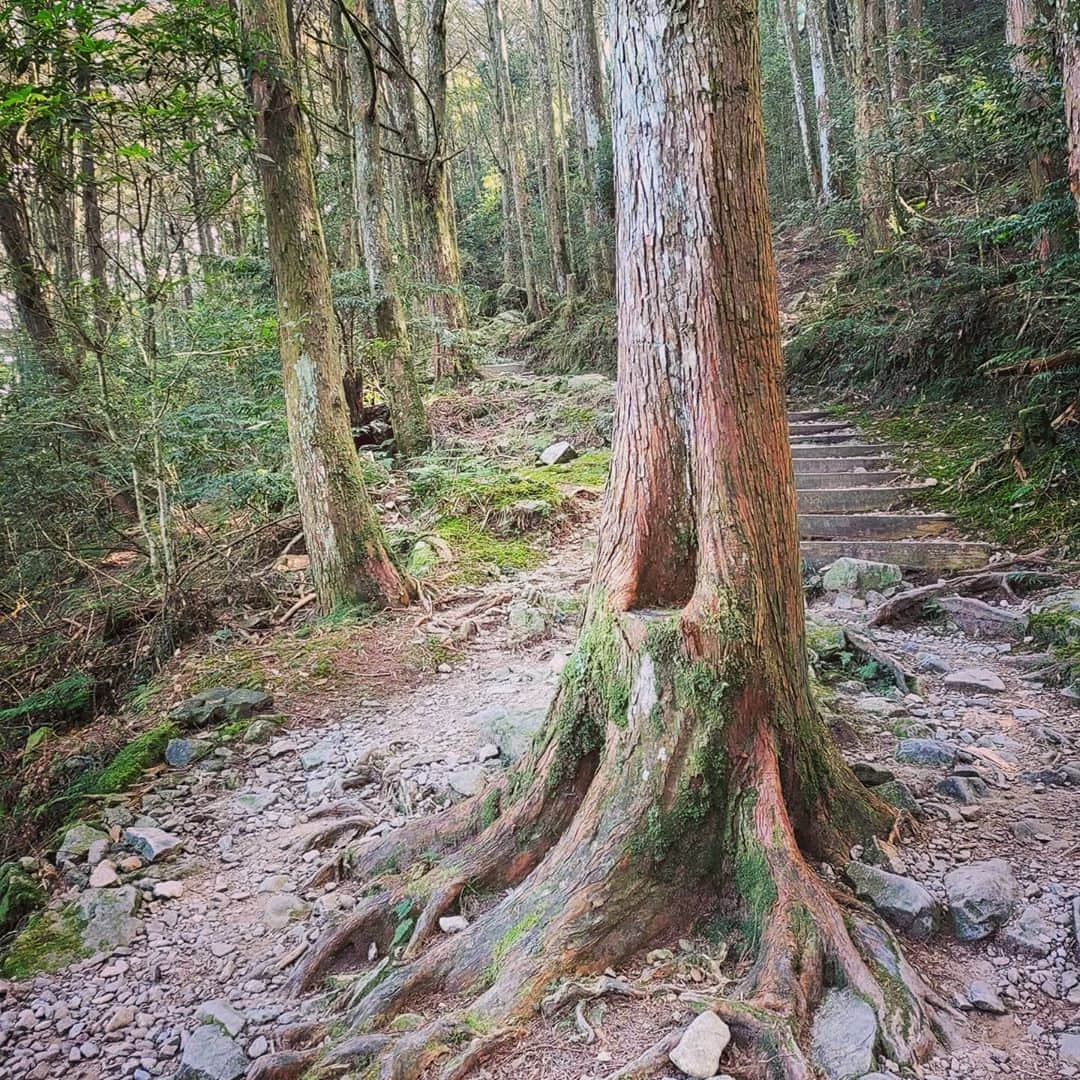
[871, 526]
[861, 450]
[934, 555]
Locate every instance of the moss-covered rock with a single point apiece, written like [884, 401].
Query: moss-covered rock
[51, 940]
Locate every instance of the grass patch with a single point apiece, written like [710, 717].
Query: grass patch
[67, 698]
[978, 480]
[589, 469]
[480, 554]
[126, 766]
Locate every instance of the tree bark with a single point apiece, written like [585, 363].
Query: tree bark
[511, 152]
[393, 348]
[816, 28]
[24, 272]
[592, 128]
[684, 764]
[349, 562]
[871, 88]
[553, 177]
[789, 32]
[1068, 28]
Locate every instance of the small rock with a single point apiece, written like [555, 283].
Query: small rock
[324, 752]
[168, 890]
[108, 917]
[122, 1018]
[487, 752]
[282, 909]
[467, 780]
[925, 752]
[858, 576]
[220, 1012]
[1031, 932]
[258, 1046]
[77, 842]
[103, 875]
[211, 1055]
[181, 752]
[870, 774]
[982, 897]
[557, 454]
[453, 924]
[985, 998]
[1069, 1047]
[152, 843]
[698, 1052]
[981, 680]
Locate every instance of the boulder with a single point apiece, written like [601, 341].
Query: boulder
[897, 793]
[963, 789]
[209, 1054]
[979, 619]
[698, 1052]
[979, 680]
[108, 919]
[901, 901]
[925, 752]
[558, 453]
[982, 897]
[870, 774]
[843, 1036]
[860, 576]
[77, 843]
[151, 843]
[220, 705]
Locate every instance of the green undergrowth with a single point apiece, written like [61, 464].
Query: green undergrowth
[480, 554]
[580, 335]
[589, 469]
[20, 894]
[126, 766]
[980, 479]
[68, 699]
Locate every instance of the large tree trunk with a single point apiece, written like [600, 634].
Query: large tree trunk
[871, 86]
[553, 178]
[592, 128]
[1068, 26]
[684, 765]
[514, 168]
[789, 31]
[25, 275]
[816, 31]
[349, 562]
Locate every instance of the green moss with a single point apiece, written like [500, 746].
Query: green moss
[50, 941]
[20, 895]
[127, 765]
[480, 554]
[589, 470]
[508, 941]
[66, 699]
[752, 880]
[490, 808]
[237, 667]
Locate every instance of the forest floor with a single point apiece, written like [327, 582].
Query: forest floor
[398, 715]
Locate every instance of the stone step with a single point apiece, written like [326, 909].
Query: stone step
[505, 367]
[807, 414]
[855, 500]
[871, 526]
[848, 450]
[817, 465]
[810, 481]
[823, 438]
[909, 554]
[817, 427]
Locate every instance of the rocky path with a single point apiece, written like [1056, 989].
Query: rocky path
[202, 918]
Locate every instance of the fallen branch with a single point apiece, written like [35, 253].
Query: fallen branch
[906, 681]
[302, 602]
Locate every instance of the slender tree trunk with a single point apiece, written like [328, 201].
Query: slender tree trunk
[349, 561]
[393, 346]
[915, 25]
[1068, 26]
[871, 87]
[894, 54]
[816, 28]
[553, 178]
[509, 135]
[592, 129]
[789, 32]
[684, 765]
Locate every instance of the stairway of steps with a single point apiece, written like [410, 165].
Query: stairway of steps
[852, 499]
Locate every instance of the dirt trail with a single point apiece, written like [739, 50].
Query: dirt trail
[245, 916]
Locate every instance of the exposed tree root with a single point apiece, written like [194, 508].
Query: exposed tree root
[332, 830]
[613, 836]
[283, 1065]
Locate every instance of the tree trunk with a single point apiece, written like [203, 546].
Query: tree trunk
[1030, 67]
[448, 301]
[816, 28]
[553, 178]
[24, 273]
[684, 765]
[871, 87]
[509, 135]
[349, 562]
[789, 32]
[393, 348]
[591, 122]
[1068, 24]
[894, 57]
